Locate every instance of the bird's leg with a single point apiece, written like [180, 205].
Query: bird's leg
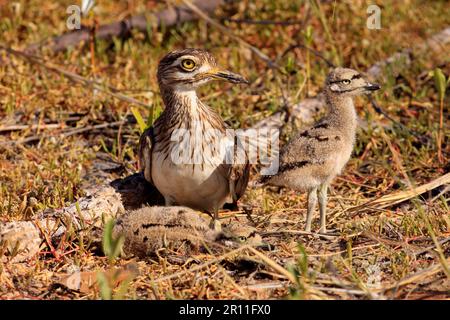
[215, 223]
[322, 193]
[312, 201]
[169, 201]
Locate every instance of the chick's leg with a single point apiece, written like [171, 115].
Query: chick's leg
[312, 201]
[323, 199]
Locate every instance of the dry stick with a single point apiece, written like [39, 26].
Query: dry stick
[94, 127]
[233, 283]
[416, 276]
[264, 22]
[199, 267]
[273, 264]
[316, 235]
[313, 51]
[422, 137]
[205, 17]
[31, 127]
[67, 133]
[398, 197]
[444, 241]
[263, 257]
[329, 254]
[167, 17]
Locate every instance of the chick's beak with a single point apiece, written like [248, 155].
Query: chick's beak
[372, 86]
[228, 76]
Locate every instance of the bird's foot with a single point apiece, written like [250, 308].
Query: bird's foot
[328, 233]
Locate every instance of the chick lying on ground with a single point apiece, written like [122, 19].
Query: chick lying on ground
[151, 229]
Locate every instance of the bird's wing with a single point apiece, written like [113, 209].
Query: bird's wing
[238, 180]
[238, 171]
[146, 141]
[314, 145]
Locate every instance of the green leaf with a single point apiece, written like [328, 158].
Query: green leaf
[302, 259]
[139, 119]
[440, 82]
[111, 246]
[307, 34]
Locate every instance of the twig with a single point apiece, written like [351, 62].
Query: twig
[313, 51]
[379, 110]
[67, 133]
[94, 127]
[199, 267]
[20, 127]
[273, 264]
[320, 235]
[264, 22]
[401, 196]
[425, 273]
[418, 253]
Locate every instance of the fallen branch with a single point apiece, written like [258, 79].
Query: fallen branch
[168, 17]
[401, 196]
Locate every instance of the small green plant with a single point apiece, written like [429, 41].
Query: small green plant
[137, 115]
[301, 274]
[112, 247]
[308, 38]
[441, 83]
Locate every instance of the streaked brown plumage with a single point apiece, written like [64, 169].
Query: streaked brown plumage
[150, 229]
[313, 157]
[208, 182]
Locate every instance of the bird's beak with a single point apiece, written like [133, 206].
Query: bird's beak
[372, 86]
[265, 246]
[227, 75]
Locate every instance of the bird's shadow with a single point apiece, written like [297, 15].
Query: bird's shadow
[136, 192]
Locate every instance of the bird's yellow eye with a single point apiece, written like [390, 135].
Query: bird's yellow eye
[188, 64]
[346, 81]
[242, 239]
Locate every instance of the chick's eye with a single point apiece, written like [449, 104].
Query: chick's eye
[346, 81]
[188, 64]
[242, 238]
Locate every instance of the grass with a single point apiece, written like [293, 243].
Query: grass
[377, 248]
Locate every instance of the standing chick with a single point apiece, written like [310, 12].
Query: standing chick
[316, 155]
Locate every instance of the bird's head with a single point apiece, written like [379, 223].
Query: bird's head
[348, 82]
[190, 68]
[236, 234]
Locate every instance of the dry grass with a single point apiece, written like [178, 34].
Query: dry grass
[394, 250]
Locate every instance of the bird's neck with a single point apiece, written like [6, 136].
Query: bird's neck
[186, 105]
[179, 100]
[342, 111]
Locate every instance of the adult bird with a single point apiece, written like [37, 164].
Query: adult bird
[313, 157]
[186, 153]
